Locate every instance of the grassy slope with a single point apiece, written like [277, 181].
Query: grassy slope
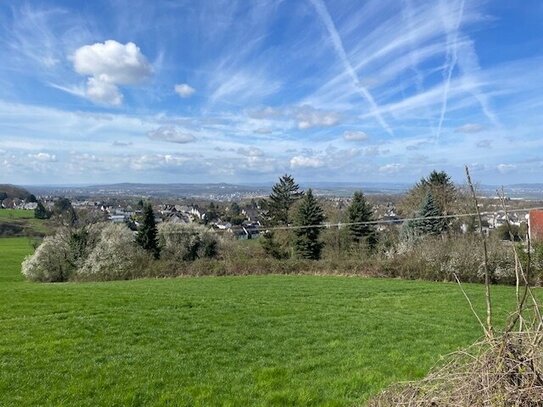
[25, 219]
[259, 340]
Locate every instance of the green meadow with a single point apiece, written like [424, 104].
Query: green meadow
[270, 340]
[9, 214]
[23, 221]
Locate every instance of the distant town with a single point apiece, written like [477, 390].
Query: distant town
[237, 209]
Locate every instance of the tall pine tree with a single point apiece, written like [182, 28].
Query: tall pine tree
[360, 211]
[429, 211]
[444, 193]
[308, 217]
[283, 196]
[147, 236]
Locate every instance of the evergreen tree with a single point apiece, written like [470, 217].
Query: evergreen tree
[40, 212]
[360, 211]
[235, 209]
[272, 247]
[310, 213]
[147, 236]
[283, 196]
[429, 210]
[444, 193]
[65, 212]
[212, 213]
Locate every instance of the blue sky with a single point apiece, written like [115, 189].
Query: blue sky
[244, 91]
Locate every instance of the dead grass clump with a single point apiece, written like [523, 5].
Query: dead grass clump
[500, 372]
[503, 370]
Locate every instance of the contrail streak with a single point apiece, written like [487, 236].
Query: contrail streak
[323, 13]
[452, 58]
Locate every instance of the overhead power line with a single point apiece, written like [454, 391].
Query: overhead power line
[399, 220]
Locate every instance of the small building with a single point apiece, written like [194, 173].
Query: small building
[252, 215]
[535, 225]
[117, 218]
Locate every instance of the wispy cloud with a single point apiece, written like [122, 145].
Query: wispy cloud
[243, 98]
[171, 134]
[469, 128]
[323, 13]
[355, 135]
[452, 26]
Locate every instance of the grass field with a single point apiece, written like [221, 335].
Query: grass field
[233, 341]
[15, 214]
[25, 219]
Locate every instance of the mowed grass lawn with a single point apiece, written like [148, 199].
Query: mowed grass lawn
[233, 341]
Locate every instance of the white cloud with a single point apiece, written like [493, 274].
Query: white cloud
[372, 151]
[391, 168]
[83, 159]
[263, 130]
[43, 157]
[184, 90]
[157, 161]
[309, 117]
[505, 168]
[109, 65]
[251, 151]
[171, 134]
[113, 62]
[267, 112]
[118, 143]
[469, 128]
[103, 92]
[301, 161]
[355, 136]
[484, 144]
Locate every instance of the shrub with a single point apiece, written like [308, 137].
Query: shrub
[115, 257]
[187, 242]
[50, 262]
[440, 258]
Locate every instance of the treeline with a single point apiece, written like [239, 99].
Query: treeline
[295, 238]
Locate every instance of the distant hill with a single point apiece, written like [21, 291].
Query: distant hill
[234, 191]
[13, 191]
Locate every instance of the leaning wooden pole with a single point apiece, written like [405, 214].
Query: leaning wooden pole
[489, 328]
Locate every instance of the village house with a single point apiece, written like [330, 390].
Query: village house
[535, 225]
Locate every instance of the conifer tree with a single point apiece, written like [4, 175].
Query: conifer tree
[147, 236]
[444, 193]
[308, 216]
[430, 210]
[40, 212]
[360, 211]
[283, 196]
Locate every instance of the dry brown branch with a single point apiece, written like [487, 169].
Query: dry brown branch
[489, 329]
[470, 304]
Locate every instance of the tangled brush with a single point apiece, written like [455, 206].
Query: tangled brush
[505, 371]
[502, 370]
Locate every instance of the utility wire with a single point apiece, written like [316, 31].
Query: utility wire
[392, 221]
